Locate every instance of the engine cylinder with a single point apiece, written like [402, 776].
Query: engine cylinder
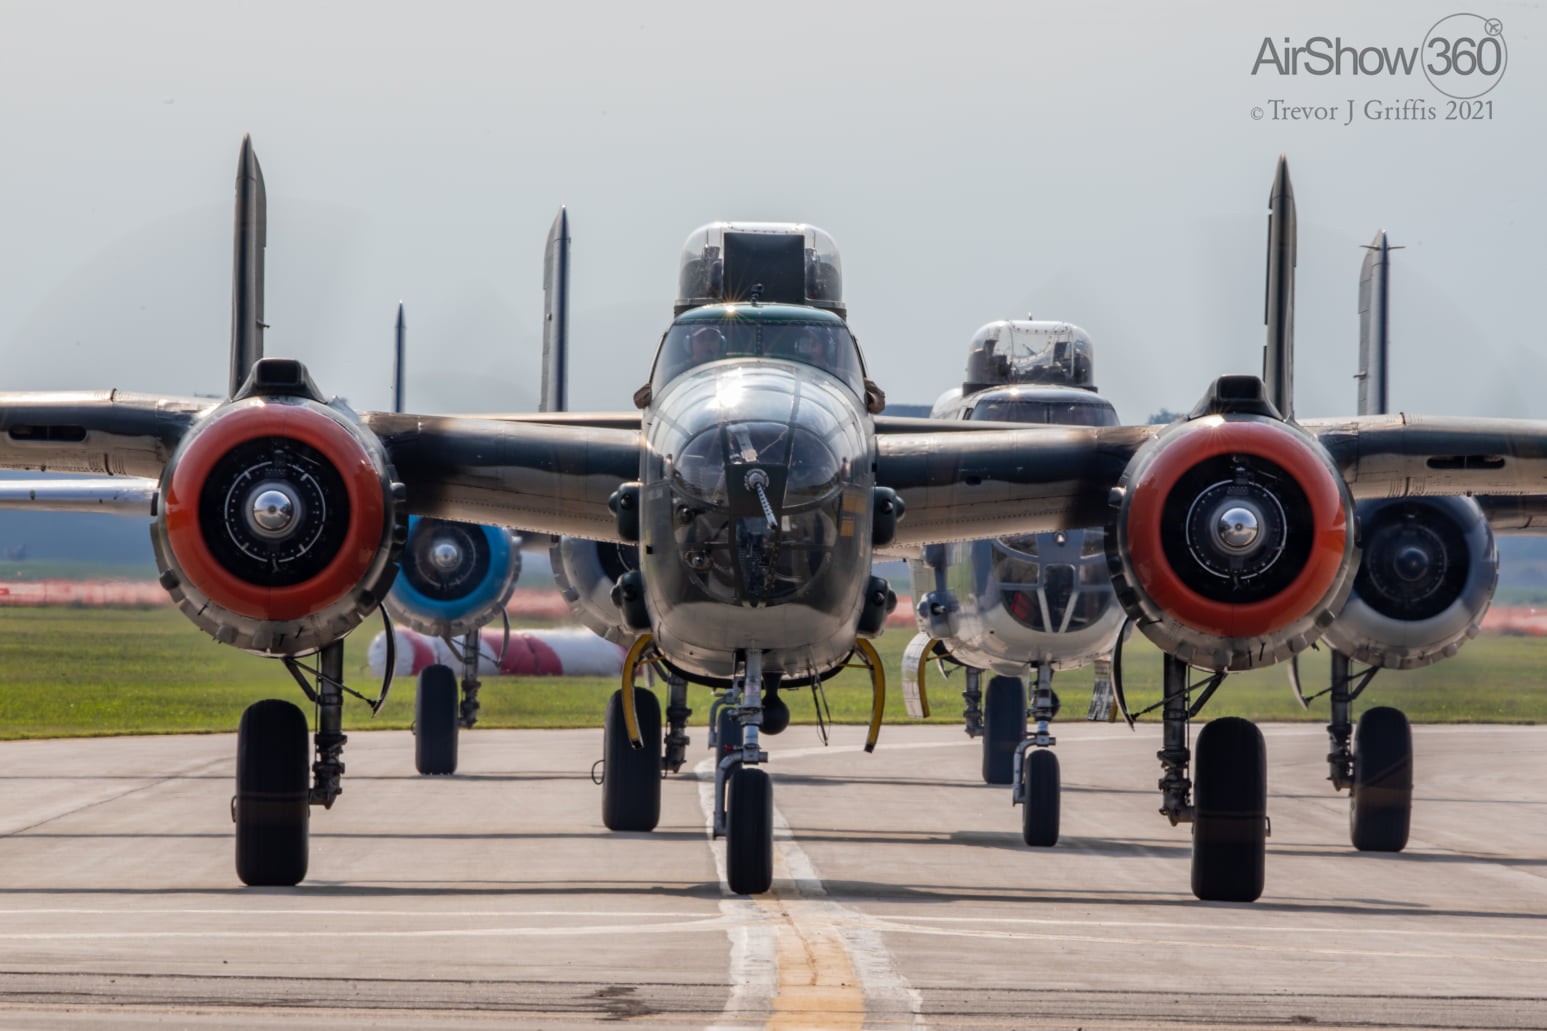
[1230, 542]
[1425, 580]
[278, 525]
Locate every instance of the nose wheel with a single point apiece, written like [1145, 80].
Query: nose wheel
[1034, 766]
[743, 792]
[749, 832]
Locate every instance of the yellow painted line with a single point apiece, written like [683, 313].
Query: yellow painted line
[817, 986]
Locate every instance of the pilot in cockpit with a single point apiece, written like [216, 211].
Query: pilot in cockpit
[815, 346]
[705, 344]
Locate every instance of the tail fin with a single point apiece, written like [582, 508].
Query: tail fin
[399, 358]
[555, 396]
[247, 267]
[1278, 359]
[1374, 288]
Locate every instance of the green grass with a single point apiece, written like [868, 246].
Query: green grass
[81, 672]
[74, 569]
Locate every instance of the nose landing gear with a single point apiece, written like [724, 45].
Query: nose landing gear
[743, 793]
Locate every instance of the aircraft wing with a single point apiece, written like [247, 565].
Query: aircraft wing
[968, 485]
[553, 473]
[992, 483]
[1393, 456]
[531, 476]
[525, 475]
[105, 432]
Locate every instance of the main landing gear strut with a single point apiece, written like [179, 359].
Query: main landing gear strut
[274, 789]
[1227, 803]
[1010, 756]
[635, 755]
[438, 716]
[1373, 761]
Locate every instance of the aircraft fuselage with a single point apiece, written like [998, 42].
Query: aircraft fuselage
[755, 512]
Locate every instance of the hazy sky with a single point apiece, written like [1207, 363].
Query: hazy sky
[1094, 162]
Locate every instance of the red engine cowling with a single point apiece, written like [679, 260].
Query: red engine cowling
[279, 525]
[1231, 542]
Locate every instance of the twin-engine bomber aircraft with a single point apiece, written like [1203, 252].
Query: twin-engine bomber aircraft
[758, 481]
[1030, 603]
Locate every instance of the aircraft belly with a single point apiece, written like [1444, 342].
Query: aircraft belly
[701, 637]
[990, 637]
[1000, 644]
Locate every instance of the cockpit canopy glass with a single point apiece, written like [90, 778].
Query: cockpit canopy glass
[1023, 351]
[1043, 407]
[775, 262]
[804, 335]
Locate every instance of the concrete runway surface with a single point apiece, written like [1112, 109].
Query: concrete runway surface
[903, 896]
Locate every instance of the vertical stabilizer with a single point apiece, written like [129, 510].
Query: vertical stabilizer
[1374, 287]
[1278, 354]
[555, 396]
[247, 267]
[399, 358]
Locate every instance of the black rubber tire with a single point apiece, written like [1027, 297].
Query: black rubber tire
[749, 832]
[436, 711]
[1039, 809]
[273, 781]
[1380, 807]
[631, 778]
[1004, 724]
[1229, 831]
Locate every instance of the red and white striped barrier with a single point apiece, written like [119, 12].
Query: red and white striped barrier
[84, 593]
[569, 652]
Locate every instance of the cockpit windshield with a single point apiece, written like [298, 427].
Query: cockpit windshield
[807, 336]
[1092, 412]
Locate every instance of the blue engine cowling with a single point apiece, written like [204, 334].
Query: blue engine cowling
[1426, 577]
[455, 577]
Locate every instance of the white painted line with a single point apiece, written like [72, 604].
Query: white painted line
[794, 963]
